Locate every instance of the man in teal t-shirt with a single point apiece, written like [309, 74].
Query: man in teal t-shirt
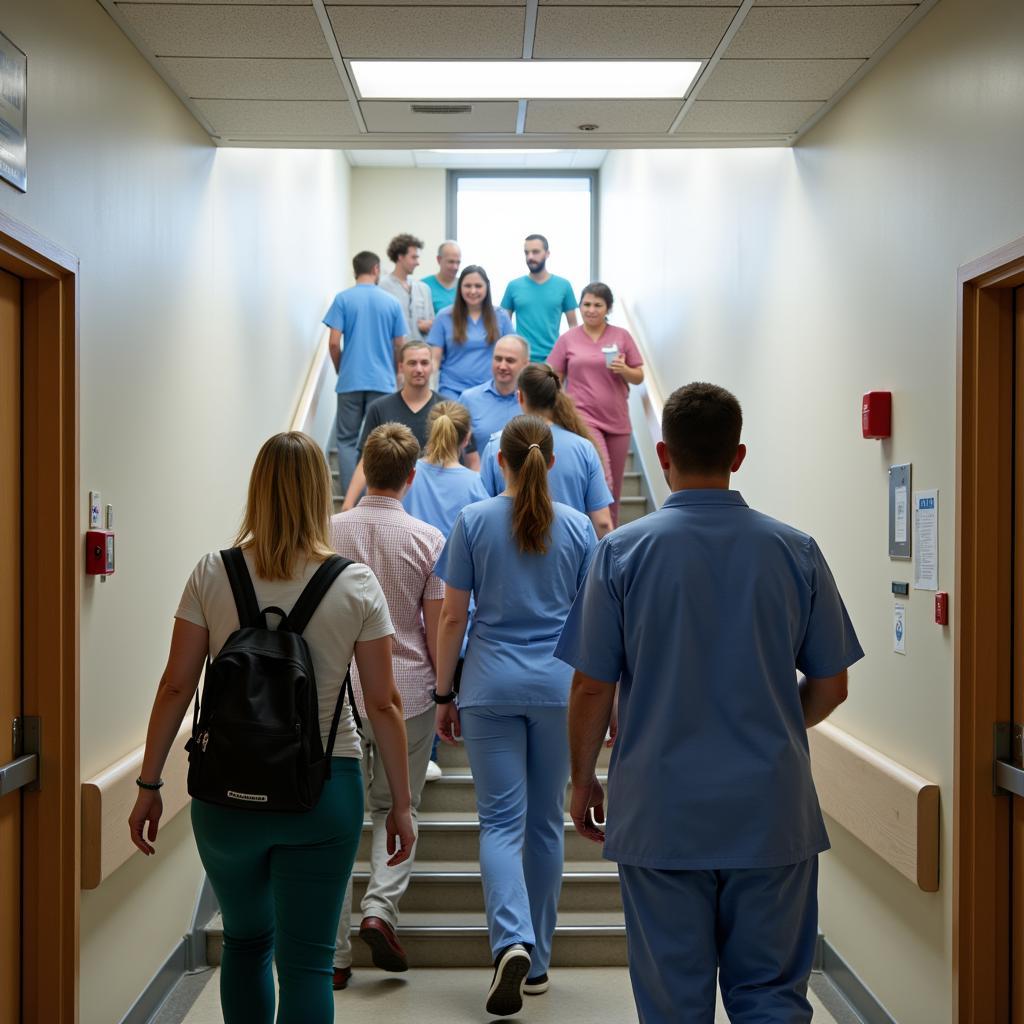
[539, 299]
[442, 284]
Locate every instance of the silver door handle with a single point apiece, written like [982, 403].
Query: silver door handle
[22, 771]
[1008, 778]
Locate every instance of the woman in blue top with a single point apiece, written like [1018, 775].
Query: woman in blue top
[464, 334]
[442, 486]
[577, 478]
[523, 557]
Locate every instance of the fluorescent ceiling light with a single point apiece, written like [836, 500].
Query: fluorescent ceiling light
[491, 152]
[523, 79]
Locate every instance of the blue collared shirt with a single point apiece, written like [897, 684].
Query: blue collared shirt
[465, 364]
[576, 478]
[521, 602]
[706, 609]
[489, 410]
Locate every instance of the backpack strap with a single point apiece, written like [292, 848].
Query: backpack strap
[346, 688]
[316, 588]
[248, 607]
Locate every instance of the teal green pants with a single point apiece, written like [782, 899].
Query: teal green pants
[280, 880]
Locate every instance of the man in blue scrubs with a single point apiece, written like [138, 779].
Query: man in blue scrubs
[442, 284]
[492, 404]
[730, 639]
[538, 300]
[373, 326]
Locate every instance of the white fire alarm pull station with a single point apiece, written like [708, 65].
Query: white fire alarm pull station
[95, 513]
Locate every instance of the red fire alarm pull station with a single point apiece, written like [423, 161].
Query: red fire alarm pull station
[876, 415]
[99, 553]
[942, 609]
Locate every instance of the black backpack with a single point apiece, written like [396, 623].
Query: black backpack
[256, 739]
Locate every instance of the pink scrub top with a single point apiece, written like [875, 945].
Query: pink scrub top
[601, 396]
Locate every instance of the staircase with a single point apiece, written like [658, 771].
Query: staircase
[442, 913]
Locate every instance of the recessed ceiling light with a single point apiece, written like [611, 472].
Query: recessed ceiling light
[523, 79]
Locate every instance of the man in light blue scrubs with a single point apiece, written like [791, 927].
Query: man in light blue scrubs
[539, 299]
[373, 326]
[730, 639]
[492, 404]
[442, 284]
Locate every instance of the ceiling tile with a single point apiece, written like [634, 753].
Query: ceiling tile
[747, 118]
[827, 3]
[447, 3]
[638, 32]
[777, 79]
[232, 3]
[193, 30]
[407, 32]
[387, 116]
[618, 116]
[277, 119]
[256, 79]
[646, 3]
[790, 32]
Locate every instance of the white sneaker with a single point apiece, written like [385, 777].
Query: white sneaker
[433, 771]
[505, 996]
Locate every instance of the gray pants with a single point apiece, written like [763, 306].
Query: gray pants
[387, 884]
[348, 423]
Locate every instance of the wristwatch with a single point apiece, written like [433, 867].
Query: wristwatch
[442, 698]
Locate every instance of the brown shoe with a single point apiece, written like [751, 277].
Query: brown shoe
[385, 948]
[341, 977]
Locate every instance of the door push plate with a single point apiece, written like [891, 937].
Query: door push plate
[1008, 765]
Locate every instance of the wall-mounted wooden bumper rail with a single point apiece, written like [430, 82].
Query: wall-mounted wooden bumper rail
[889, 808]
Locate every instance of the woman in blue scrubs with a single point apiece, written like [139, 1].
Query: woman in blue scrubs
[577, 478]
[443, 486]
[463, 335]
[522, 557]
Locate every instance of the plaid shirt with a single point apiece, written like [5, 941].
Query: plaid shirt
[401, 552]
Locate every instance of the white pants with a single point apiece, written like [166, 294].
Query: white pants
[387, 884]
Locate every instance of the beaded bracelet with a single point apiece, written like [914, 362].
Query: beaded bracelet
[148, 785]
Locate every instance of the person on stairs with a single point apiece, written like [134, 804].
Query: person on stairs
[402, 552]
[523, 558]
[280, 877]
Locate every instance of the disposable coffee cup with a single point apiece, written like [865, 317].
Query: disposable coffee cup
[611, 353]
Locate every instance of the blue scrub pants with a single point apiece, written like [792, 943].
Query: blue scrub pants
[348, 423]
[756, 927]
[280, 879]
[520, 761]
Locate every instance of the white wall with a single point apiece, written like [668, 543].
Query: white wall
[204, 274]
[800, 279]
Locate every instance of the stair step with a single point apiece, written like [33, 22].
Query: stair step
[453, 939]
[631, 509]
[454, 757]
[632, 485]
[454, 791]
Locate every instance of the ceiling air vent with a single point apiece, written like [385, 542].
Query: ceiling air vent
[442, 108]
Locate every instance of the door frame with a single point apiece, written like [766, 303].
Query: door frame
[52, 545]
[983, 632]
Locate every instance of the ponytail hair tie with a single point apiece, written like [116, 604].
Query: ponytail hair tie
[534, 445]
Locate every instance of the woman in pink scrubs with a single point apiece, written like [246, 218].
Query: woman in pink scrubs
[597, 363]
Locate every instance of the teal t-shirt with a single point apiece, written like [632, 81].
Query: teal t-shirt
[538, 309]
[442, 296]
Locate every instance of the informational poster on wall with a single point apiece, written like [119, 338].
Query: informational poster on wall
[926, 540]
[13, 115]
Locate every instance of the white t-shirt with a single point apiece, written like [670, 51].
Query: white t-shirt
[353, 609]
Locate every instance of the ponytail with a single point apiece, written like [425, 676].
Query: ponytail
[450, 425]
[542, 392]
[527, 446]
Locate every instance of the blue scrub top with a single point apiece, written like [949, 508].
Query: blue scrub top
[438, 495]
[467, 364]
[707, 609]
[369, 320]
[489, 410]
[440, 295]
[538, 309]
[576, 478]
[521, 602]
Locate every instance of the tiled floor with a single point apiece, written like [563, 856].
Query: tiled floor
[581, 995]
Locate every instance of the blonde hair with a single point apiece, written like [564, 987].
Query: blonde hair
[389, 456]
[288, 509]
[527, 445]
[450, 425]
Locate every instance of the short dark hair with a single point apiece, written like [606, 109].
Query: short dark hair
[364, 262]
[409, 346]
[601, 290]
[389, 456]
[401, 244]
[701, 425]
[539, 238]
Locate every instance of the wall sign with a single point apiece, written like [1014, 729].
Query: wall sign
[899, 511]
[13, 117]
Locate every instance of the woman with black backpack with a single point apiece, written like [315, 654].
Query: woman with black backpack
[274, 758]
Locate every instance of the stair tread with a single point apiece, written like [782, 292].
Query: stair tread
[606, 869]
[454, 777]
[451, 820]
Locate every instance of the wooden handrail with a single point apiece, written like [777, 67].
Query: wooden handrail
[108, 797]
[889, 808]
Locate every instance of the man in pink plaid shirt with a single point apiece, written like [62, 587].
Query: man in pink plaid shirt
[402, 552]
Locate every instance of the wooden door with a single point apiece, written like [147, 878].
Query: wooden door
[10, 640]
[1017, 640]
